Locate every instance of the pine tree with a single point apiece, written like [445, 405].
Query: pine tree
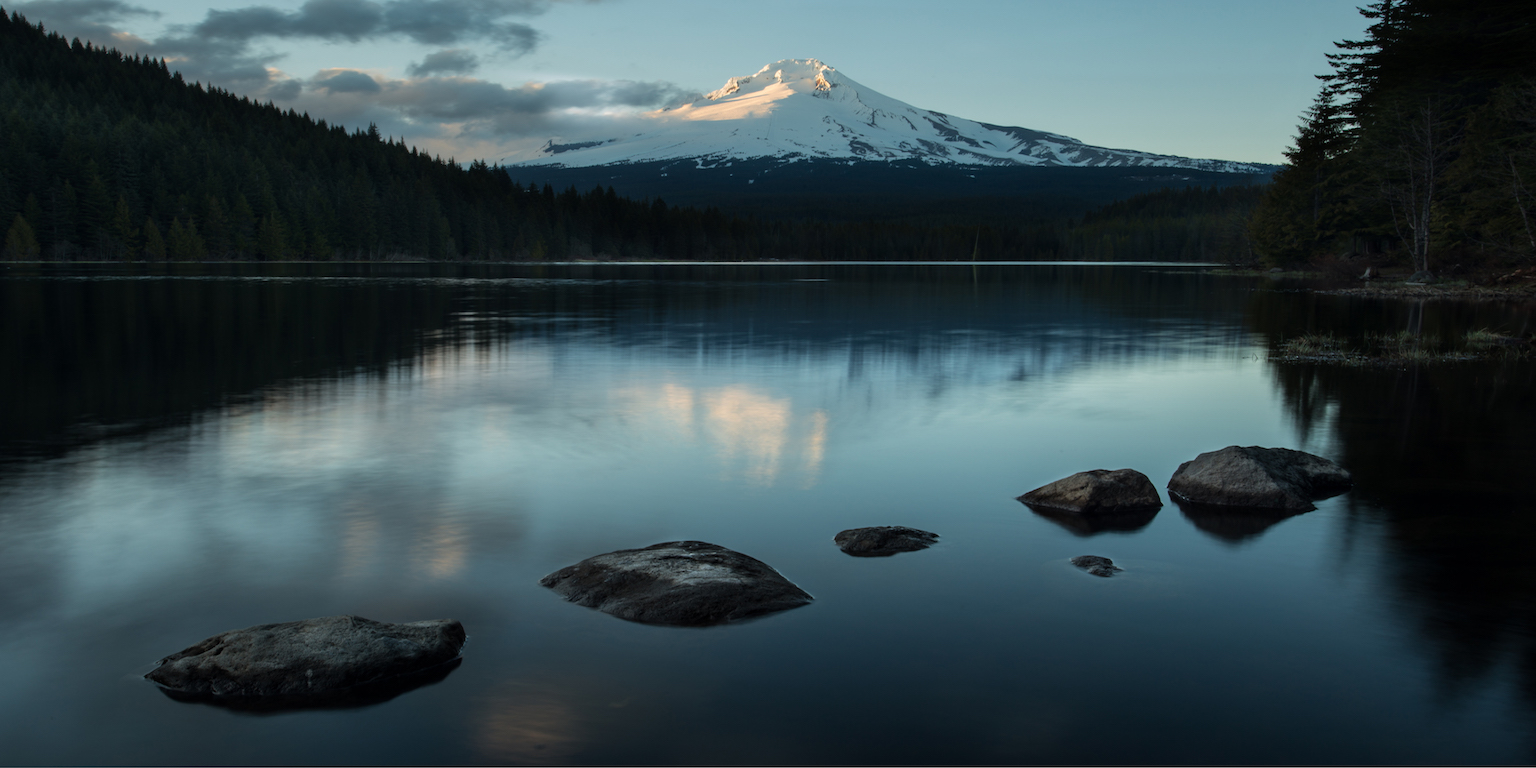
[215, 228]
[95, 207]
[271, 240]
[242, 227]
[20, 242]
[123, 236]
[154, 244]
[176, 242]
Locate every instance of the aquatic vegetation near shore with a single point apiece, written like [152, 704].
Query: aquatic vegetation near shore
[1403, 347]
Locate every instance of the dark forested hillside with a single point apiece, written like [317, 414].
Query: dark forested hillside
[904, 191]
[1190, 224]
[105, 156]
[1421, 146]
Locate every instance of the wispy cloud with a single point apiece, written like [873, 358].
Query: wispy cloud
[430, 22]
[91, 19]
[438, 102]
[453, 61]
[491, 109]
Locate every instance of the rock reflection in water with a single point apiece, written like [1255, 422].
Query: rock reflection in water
[366, 695]
[1232, 525]
[1097, 523]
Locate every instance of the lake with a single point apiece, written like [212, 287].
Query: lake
[191, 449]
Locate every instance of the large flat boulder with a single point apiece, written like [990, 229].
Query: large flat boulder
[1097, 491]
[678, 583]
[883, 540]
[1259, 478]
[310, 658]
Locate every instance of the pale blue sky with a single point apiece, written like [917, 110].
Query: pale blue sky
[1222, 79]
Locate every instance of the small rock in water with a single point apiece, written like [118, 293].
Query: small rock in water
[1107, 491]
[883, 540]
[1265, 478]
[309, 658]
[678, 583]
[1098, 566]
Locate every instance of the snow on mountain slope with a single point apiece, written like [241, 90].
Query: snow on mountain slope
[799, 109]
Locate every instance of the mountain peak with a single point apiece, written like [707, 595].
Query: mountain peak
[798, 109]
[798, 75]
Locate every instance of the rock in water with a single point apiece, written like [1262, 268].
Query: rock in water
[1098, 566]
[314, 657]
[1264, 478]
[1107, 491]
[883, 540]
[679, 583]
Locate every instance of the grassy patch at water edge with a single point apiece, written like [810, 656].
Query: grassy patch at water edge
[1401, 348]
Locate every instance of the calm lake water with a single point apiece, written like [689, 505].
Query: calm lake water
[189, 451]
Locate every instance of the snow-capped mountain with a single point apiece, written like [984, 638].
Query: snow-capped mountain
[802, 109]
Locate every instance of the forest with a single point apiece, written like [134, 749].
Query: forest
[1420, 148]
[109, 157]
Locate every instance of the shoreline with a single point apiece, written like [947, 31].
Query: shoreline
[1489, 286]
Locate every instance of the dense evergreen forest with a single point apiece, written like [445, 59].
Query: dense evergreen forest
[1420, 147]
[106, 156]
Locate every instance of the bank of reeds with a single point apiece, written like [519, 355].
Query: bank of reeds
[1401, 348]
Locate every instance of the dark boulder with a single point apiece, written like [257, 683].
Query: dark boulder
[314, 658]
[883, 540]
[678, 583]
[1097, 491]
[1098, 566]
[1264, 478]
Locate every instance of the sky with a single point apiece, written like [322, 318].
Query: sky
[489, 79]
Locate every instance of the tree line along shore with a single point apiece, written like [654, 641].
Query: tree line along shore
[1419, 154]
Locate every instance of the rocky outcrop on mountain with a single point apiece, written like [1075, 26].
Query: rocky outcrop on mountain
[679, 583]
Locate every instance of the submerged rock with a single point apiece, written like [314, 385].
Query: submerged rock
[883, 540]
[1098, 566]
[1267, 478]
[679, 583]
[313, 658]
[1097, 491]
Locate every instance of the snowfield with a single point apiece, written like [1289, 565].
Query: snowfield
[798, 109]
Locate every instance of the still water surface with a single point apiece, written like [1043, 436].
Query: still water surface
[186, 452]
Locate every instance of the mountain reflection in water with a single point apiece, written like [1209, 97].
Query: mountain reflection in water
[187, 449]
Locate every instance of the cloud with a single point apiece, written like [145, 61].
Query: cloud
[522, 110]
[90, 19]
[464, 116]
[284, 90]
[223, 48]
[66, 11]
[438, 105]
[431, 22]
[346, 81]
[453, 61]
